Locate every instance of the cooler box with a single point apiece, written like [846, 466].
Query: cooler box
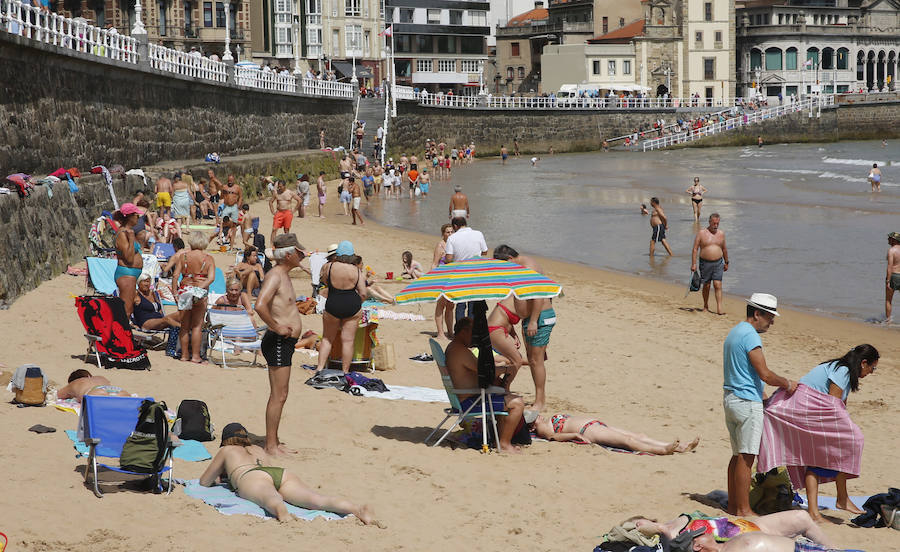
[362, 349]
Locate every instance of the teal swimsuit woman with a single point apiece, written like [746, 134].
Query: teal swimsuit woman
[127, 270]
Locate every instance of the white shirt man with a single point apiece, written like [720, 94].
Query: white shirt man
[464, 243]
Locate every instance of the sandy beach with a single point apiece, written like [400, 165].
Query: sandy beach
[630, 351]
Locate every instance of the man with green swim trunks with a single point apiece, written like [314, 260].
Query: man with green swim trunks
[892, 280]
[536, 327]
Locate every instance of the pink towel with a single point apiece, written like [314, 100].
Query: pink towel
[809, 428]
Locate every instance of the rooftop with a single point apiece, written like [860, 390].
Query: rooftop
[525, 19]
[621, 35]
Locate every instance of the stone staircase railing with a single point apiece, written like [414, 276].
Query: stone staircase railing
[746, 119]
[541, 102]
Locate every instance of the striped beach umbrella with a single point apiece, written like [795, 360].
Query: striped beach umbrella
[479, 279]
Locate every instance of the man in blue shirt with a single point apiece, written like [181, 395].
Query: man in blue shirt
[745, 371]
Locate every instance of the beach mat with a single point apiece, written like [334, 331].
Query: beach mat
[200, 227]
[189, 451]
[227, 502]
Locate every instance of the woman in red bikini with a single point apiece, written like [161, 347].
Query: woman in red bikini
[502, 327]
[563, 427]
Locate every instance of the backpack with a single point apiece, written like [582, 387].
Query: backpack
[32, 391]
[771, 492]
[193, 421]
[146, 449]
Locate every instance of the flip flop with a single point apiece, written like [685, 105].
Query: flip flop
[38, 428]
[530, 416]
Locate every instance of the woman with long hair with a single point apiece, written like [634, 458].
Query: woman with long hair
[128, 253]
[811, 432]
[346, 287]
[444, 311]
[192, 275]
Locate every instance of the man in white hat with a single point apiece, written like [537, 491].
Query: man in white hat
[745, 371]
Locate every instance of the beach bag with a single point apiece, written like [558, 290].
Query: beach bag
[328, 379]
[32, 392]
[355, 379]
[145, 449]
[771, 492]
[193, 421]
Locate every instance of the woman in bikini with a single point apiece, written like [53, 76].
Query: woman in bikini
[192, 275]
[241, 463]
[563, 427]
[346, 286]
[696, 191]
[128, 253]
[502, 328]
[444, 311]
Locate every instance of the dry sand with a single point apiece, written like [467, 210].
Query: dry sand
[632, 352]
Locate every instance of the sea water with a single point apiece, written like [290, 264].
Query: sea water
[799, 219]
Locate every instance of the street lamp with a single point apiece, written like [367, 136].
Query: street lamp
[227, 55]
[353, 45]
[296, 45]
[138, 28]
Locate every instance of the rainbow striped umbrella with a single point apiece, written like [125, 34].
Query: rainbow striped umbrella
[479, 279]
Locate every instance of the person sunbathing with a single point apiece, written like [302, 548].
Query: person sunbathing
[82, 383]
[246, 467]
[249, 271]
[563, 427]
[771, 533]
[148, 312]
[375, 291]
[235, 299]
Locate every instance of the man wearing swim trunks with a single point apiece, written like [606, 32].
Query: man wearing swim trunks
[276, 307]
[322, 192]
[280, 204]
[232, 197]
[710, 244]
[163, 195]
[745, 370]
[504, 155]
[459, 203]
[356, 198]
[213, 188]
[658, 225]
[892, 280]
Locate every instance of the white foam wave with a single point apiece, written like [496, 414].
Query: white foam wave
[860, 162]
[843, 177]
[787, 171]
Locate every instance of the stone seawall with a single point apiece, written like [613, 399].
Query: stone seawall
[79, 110]
[42, 235]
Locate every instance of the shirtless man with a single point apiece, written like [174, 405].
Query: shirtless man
[696, 191]
[710, 244]
[356, 199]
[658, 224]
[82, 383]
[413, 162]
[163, 195]
[459, 203]
[504, 155]
[773, 532]
[249, 271]
[892, 280]
[281, 208]
[875, 178]
[213, 188]
[321, 192]
[516, 147]
[277, 308]
[463, 368]
[232, 197]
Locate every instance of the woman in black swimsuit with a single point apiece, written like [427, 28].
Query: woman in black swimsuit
[148, 312]
[346, 287]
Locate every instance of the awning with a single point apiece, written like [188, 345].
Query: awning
[346, 68]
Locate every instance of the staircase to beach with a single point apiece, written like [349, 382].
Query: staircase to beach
[371, 110]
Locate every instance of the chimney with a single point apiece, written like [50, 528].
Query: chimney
[538, 4]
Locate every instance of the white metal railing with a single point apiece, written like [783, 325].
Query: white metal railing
[541, 102]
[185, 63]
[405, 92]
[334, 89]
[23, 19]
[253, 77]
[739, 121]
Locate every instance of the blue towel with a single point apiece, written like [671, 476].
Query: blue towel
[830, 502]
[227, 502]
[189, 451]
[102, 273]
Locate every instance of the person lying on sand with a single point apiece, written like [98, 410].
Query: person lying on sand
[563, 427]
[246, 468]
[770, 533]
[82, 383]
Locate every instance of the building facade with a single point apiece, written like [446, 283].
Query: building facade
[794, 47]
[516, 66]
[442, 47]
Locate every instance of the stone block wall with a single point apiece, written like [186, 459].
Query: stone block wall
[77, 110]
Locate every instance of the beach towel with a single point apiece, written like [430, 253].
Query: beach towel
[105, 318]
[399, 392]
[229, 503]
[189, 451]
[809, 428]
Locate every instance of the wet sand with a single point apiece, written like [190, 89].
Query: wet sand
[632, 352]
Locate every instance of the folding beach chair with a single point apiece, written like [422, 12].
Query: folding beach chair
[218, 285]
[476, 411]
[104, 425]
[108, 332]
[163, 251]
[233, 328]
[101, 275]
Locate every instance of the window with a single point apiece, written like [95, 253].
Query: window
[827, 58]
[406, 15]
[365, 4]
[626, 67]
[843, 55]
[470, 66]
[478, 18]
[510, 73]
[813, 55]
[424, 43]
[334, 7]
[313, 42]
[709, 68]
[188, 16]
[709, 92]
[755, 59]
[790, 59]
[514, 49]
[162, 19]
[456, 17]
[336, 43]
[605, 25]
[353, 40]
[220, 14]
[698, 39]
[434, 17]
[446, 44]
[207, 14]
[351, 8]
[402, 43]
[707, 11]
[595, 67]
[446, 65]
[314, 7]
[423, 65]
[791, 90]
[367, 39]
[611, 68]
[403, 68]
[718, 37]
[471, 45]
[521, 73]
[621, 22]
[773, 59]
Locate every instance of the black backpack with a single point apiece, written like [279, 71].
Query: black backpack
[146, 449]
[193, 421]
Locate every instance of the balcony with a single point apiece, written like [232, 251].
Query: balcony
[443, 77]
[541, 27]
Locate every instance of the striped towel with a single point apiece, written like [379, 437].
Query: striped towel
[809, 428]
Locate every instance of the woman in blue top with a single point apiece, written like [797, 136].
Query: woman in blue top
[811, 432]
[128, 252]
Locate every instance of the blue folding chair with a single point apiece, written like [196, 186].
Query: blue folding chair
[163, 251]
[104, 425]
[218, 285]
[234, 328]
[101, 275]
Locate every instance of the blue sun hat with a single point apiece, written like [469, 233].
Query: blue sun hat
[345, 248]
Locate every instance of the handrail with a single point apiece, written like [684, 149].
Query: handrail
[186, 63]
[555, 103]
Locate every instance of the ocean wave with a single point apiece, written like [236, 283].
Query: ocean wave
[789, 171]
[842, 177]
[860, 162]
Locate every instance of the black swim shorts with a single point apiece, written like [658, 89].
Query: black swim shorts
[712, 270]
[659, 233]
[277, 349]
